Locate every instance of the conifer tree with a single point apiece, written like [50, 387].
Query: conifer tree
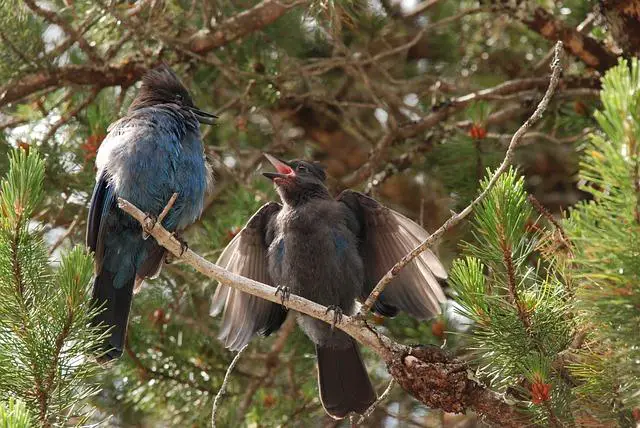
[606, 236]
[46, 337]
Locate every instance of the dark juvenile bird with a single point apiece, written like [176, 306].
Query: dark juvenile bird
[152, 152]
[331, 251]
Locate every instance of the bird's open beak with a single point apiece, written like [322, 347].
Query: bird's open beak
[203, 116]
[284, 170]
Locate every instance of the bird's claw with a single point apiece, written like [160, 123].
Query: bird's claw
[149, 223]
[184, 246]
[337, 315]
[285, 293]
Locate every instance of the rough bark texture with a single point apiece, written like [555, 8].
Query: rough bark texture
[259, 16]
[623, 20]
[587, 49]
[439, 381]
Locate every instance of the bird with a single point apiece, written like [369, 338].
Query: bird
[332, 251]
[150, 153]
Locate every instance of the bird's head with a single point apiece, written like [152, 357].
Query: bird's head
[297, 180]
[161, 86]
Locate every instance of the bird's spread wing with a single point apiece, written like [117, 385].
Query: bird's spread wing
[245, 315]
[385, 237]
[102, 201]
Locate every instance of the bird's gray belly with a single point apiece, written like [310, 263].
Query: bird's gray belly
[320, 268]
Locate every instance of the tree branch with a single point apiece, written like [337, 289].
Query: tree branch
[129, 71]
[457, 218]
[449, 108]
[450, 389]
[223, 388]
[430, 375]
[382, 345]
[123, 74]
[53, 18]
[588, 50]
[238, 26]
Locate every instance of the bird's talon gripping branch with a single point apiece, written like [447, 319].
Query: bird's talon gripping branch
[184, 246]
[285, 293]
[337, 315]
[149, 223]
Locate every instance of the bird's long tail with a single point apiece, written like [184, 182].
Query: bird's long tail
[116, 303]
[344, 383]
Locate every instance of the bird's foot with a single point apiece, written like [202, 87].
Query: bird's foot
[337, 315]
[149, 223]
[184, 246]
[285, 293]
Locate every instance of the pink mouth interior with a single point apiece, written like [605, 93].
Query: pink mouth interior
[284, 169]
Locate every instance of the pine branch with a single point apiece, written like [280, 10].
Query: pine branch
[507, 258]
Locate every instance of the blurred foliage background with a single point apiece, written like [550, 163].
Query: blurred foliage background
[410, 101]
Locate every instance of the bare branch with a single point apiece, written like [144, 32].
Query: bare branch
[66, 234]
[223, 388]
[457, 218]
[414, 369]
[71, 114]
[128, 71]
[382, 345]
[123, 74]
[587, 49]
[167, 207]
[238, 26]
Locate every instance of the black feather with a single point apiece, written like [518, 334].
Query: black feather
[344, 383]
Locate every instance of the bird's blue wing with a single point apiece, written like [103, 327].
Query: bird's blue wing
[102, 200]
[385, 237]
[246, 315]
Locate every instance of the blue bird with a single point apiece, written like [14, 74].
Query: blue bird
[152, 152]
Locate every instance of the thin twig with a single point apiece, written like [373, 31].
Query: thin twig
[68, 232]
[53, 18]
[457, 218]
[375, 404]
[166, 209]
[223, 388]
[546, 214]
[64, 119]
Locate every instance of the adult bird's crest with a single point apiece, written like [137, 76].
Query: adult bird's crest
[162, 86]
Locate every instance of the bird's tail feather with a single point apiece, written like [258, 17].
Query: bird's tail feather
[344, 383]
[116, 304]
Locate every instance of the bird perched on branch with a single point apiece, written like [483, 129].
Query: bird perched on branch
[147, 156]
[330, 251]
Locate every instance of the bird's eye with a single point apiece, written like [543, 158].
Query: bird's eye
[179, 98]
[301, 168]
